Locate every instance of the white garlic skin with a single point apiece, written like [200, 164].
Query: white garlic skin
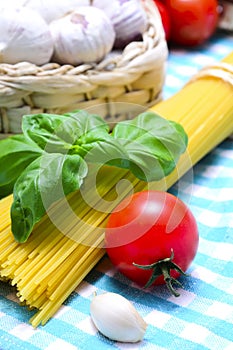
[116, 318]
[24, 36]
[128, 17]
[83, 36]
[53, 9]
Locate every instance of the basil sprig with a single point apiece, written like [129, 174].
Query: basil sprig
[51, 158]
[153, 145]
[16, 153]
[47, 179]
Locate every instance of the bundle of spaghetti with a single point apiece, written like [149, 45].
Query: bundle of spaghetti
[63, 247]
[204, 107]
[69, 241]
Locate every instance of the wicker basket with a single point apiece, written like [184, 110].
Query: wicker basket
[115, 88]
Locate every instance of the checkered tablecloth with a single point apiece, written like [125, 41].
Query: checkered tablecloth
[202, 317]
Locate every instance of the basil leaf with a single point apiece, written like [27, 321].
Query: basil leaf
[53, 133]
[87, 122]
[43, 182]
[93, 140]
[65, 133]
[95, 144]
[100, 147]
[63, 145]
[153, 145]
[16, 153]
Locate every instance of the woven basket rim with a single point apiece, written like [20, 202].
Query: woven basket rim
[134, 75]
[116, 61]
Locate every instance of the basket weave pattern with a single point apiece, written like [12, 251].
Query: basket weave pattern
[113, 88]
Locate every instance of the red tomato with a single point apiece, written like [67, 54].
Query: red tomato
[164, 17]
[192, 21]
[146, 228]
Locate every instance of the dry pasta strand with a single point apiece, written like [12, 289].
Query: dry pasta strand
[68, 242]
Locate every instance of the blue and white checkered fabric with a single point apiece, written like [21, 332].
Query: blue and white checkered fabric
[202, 317]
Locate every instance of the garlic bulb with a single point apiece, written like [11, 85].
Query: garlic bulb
[116, 318]
[53, 9]
[83, 36]
[128, 17]
[24, 36]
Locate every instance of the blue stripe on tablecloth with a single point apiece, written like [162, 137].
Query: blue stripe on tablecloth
[215, 201]
[220, 233]
[10, 342]
[223, 268]
[214, 170]
[39, 341]
[171, 333]
[222, 282]
[12, 308]
[191, 284]
[185, 313]
[42, 340]
[206, 290]
[81, 304]
[164, 338]
[201, 318]
[214, 183]
[158, 295]
[205, 293]
[174, 324]
[212, 341]
[73, 335]
[193, 60]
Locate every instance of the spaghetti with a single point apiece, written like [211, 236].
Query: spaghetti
[68, 242]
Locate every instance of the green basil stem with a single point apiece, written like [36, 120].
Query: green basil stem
[163, 267]
[147, 145]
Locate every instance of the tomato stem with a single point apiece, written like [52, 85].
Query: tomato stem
[164, 267]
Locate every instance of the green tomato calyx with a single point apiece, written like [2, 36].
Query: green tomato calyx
[163, 267]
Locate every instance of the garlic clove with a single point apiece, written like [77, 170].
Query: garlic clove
[24, 36]
[53, 9]
[128, 17]
[85, 35]
[116, 318]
